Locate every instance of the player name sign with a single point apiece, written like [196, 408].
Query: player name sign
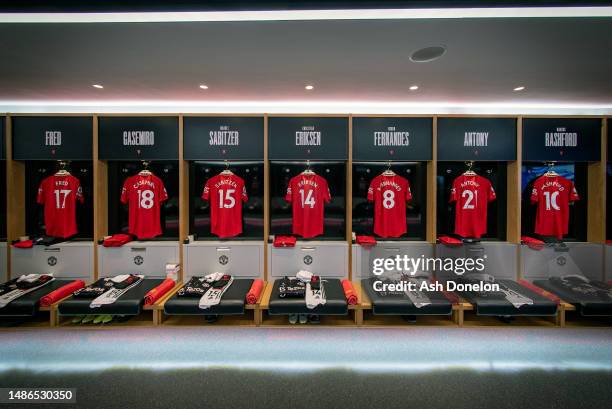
[315, 138]
[561, 139]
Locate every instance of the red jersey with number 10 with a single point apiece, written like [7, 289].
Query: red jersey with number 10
[307, 193]
[59, 195]
[226, 194]
[472, 194]
[553, 195]
[389, 194]
[144, 194]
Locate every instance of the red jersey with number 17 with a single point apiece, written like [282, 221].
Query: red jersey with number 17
[144, 194]
[472, 194]
[389, 194]
[59, 193]
[553, 195]
[226, 194]
[307, 193]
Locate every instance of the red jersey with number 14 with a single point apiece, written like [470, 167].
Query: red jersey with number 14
[389, 194]
[226, 194]
[472, 194]
[144, 194]
[59, 195]
[307, 193]
[553, 195]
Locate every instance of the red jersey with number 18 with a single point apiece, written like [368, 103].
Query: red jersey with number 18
[389, 194]
[59, 195]
[472, 194]
[144, 194]
[226, 194]
[307, 193]
[553, 195]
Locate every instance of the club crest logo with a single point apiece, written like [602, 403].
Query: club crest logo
[138, 260]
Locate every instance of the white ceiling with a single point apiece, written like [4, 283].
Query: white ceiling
[262, 66]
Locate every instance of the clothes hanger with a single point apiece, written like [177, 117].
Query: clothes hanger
[145, 169]
[388, 171]
[308, 171]
[62, 169]
[469, 171]
[227, 170]
[550, 172]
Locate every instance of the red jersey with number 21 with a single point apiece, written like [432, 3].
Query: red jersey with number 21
[553, 195]
[59, 195]
[226, 194]
[307, 193]
[144, 194]
[472, 194]
[389, 194]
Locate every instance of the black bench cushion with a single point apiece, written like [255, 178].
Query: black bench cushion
[335, 301]
[129, 303]
[402, 305]
[541, 306]
[232, 302]
[587, 305]
[27, 305]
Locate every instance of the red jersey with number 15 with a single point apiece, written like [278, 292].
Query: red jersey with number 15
[389, 194]
[553, 195]
[226, 194]
[307, 193]
[59, 195]
[144, 194]
[472, 194]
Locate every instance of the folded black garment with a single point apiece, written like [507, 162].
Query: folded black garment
[291, 288]
[94, 290]
[195, 287]
[584, 287]
[8, 286]
[15, 284]
[131, 279]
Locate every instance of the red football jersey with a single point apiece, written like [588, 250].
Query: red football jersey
[306, 193]
[389, 194]
[59, 195]
[472, 194]
[144, 195]
[225, 193]
[553, 195]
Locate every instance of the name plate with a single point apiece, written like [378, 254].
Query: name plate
[562, 139]
[392, 138]
[491, 139]
[138, 138]
[52, 138]
[301, 138]
[218, 138]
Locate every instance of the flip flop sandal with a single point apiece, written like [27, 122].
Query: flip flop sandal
[88, 319]
[78, 319]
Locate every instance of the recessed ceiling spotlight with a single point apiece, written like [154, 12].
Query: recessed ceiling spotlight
[97, 86]
[414, 87]
[309, 87]
[203, 86]
[519, 88]
[427, 54]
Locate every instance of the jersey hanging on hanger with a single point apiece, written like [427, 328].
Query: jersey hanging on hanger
[389, 194]
[226, 194]
[144, 195]
[472, 194]
[307, 193]
[553, 195]
[58, 194]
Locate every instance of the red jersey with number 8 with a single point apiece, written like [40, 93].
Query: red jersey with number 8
[553, 195]
[226, 194]
[389, 194]
[307, 193]
[472, 194]
[144, 194]
[59, 195]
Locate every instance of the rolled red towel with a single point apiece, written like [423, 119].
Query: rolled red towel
[366, 241]
[349, 292]
[26, 244]
[117, 240]
[158, 292]
[533, 243]
[60, 293]
[255, 291]
[450, 241]
[284, 241]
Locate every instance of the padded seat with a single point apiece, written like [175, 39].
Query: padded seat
[129, 303]
[27, 305]
[402, 305]
[232, 302]
[587, 305]
[541, 306]
[335, 301]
